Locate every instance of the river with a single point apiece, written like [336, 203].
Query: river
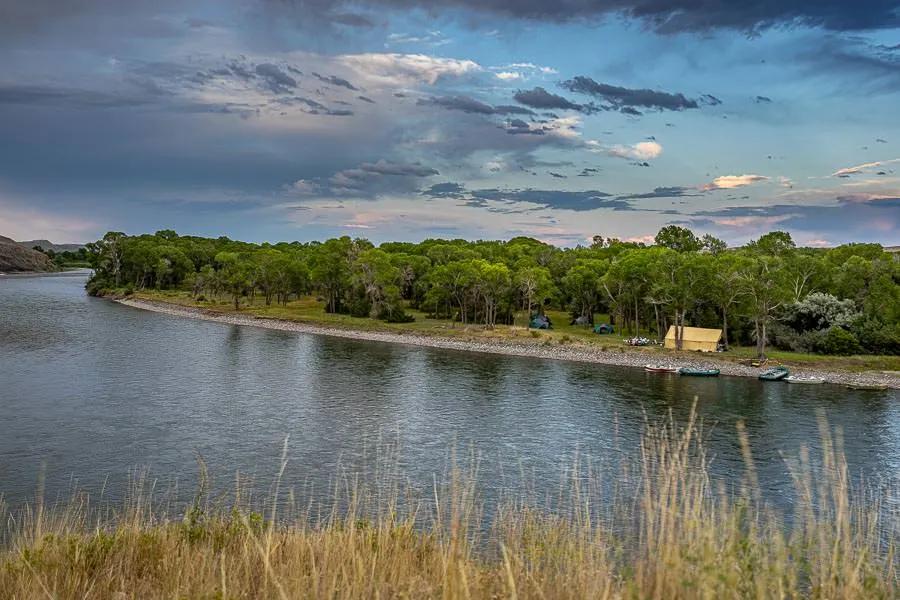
[92, 391]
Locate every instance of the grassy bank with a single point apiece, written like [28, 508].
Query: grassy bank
[675, 534]
[309, 310]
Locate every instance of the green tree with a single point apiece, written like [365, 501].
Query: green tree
[765, 282]
[680, 239]
[534, 283]
[583, 283]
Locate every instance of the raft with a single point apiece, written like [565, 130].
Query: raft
[807, 380]
[774, 374]
[698, 372]
[867, 386]
[660, 369]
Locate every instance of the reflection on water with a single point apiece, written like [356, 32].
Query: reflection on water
[92, 390]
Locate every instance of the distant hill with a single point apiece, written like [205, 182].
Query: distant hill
[16, 258]
[48, 245]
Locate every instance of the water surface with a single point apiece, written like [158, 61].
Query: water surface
[91, 390]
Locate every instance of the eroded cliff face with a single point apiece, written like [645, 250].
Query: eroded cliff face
[15, 258]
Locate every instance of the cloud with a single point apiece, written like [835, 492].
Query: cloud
[662, 192]
[728, 182]
[620, 97]
[875, 217]
[642, 151]
[763, 100]
[406, 69]
[541, 99]
[463, 103]
[334, 80]
[674, 16]
[276, 79]
[512, 200]
[847, 171]
[508, 75]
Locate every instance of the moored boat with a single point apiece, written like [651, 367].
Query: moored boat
[691, 372]
[867, 386]
[660, 369]
[774, 374]
[808, 380]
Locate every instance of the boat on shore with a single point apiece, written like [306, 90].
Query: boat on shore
[660, 369]
[774, 374]
[806, 380]
[693, 372]
[866, 386]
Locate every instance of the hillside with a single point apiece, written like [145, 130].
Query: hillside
[48, 245]
[15, 258]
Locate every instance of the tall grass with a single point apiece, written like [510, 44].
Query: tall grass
[671, 532]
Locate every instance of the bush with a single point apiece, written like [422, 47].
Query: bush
[876, 337]
[397, 315]
[838, 340]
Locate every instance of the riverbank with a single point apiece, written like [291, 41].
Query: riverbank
[524, 345]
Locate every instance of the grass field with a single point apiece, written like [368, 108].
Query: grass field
[310, 310]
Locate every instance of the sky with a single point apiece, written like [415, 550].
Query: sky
[270, 120]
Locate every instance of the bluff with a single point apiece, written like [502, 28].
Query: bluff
[15, 258]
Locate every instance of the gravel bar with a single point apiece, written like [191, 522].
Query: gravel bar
[524, 347]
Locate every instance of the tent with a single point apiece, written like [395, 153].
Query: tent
[695, 338]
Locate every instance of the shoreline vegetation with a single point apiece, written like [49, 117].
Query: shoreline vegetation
[511, 341]
[669, 530]
[832, 309]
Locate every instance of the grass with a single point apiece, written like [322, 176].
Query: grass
[675, 534]
[309, 310]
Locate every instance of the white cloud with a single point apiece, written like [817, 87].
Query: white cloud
[639, 151]
[728, 182]
[508, 75]
[406, 69]
[846, 171]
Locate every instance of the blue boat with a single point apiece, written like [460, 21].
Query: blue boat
[774, 374]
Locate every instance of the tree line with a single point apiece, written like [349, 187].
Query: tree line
[842, 300]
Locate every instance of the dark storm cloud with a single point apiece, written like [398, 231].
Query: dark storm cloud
[471, 105]
[663, 192]
[541, 99]
[763, 100]
[444, 190]
[816, 218]
[556, 199]
[72, 98]
[463, 103]
[371, 179]
[334, 80]
[276, 80]
[366, 99]
[625, 97]
[665, 16]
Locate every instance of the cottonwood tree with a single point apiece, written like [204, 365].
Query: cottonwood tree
[534, 283]
[764, 280]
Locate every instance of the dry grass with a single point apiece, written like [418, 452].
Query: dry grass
[673, 534]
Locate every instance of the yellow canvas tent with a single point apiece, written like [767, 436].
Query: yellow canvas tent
[695, 338]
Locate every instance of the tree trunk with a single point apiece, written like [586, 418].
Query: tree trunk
[725, 326]
[637, 324]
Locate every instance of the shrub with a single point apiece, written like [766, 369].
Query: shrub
[876, 337]
[838, 340]
[397, 315]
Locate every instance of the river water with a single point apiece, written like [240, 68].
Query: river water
[92, 391]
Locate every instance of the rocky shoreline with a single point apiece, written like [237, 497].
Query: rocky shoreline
[524, 347]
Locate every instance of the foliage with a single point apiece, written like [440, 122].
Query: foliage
[767, 290]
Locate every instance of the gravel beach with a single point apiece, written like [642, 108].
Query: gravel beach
[518, 347]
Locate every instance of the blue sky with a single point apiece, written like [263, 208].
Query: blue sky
[403, 119]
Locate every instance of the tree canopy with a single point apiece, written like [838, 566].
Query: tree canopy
[767, 291]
